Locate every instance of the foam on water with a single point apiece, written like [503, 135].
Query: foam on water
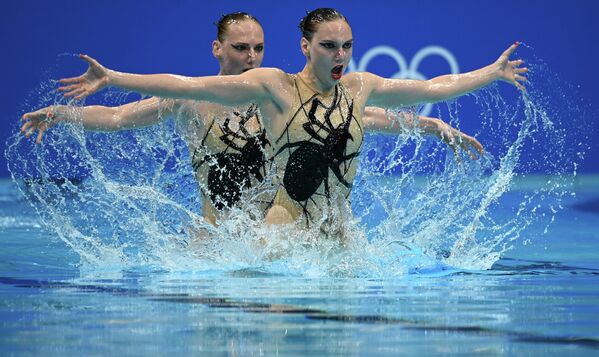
[128, 200]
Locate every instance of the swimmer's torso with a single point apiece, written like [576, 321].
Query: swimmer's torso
[229, 151]
[316, 152]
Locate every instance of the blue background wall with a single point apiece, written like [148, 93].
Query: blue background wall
[159, 36]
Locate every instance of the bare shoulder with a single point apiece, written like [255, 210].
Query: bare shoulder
[269, 76]
[360, 85]
[359, 79]
[277, 83]
[264, 72]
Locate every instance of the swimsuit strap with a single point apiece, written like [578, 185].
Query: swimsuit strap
[208, 131]
[301, 107]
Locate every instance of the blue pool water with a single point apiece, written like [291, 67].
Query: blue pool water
[540, 298]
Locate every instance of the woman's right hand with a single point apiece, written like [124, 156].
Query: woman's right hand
[41, 120]
[510, 71]
[94, 79]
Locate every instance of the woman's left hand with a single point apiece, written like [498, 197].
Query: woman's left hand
[457, 140]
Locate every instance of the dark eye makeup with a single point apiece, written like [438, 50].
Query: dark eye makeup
[240, 47]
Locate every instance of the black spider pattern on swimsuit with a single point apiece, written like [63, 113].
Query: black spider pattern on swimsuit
[308, 165]
[230, 172]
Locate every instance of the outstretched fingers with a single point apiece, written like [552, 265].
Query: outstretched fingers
[25, 126]
[29, 131]
[73, 89]
[40, 134]
[32, 120]
[519, 86]
[27, 116]
[69, 88]
[38, 114]
[40, 120]
[82, 94]
[507, 53]
[517, 62]
[448, 137]
[92, 62]
[75, 93]
[517, 70]
[469, 149]
[520, 78]
[513, 71]
[469, 145]
[71, 80]
[93, 80]
[475, 144]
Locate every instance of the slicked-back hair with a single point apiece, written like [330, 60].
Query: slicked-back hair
[222, 26]
[310, 22]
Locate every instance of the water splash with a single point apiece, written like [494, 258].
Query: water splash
[468, 215]
[128, 200]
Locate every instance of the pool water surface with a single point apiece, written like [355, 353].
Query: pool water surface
[541, 298]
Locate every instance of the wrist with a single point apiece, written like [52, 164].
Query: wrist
[438, 128]
[495, 71]
[54, 114]
[431, 126]
[112, 77]
[115, 78]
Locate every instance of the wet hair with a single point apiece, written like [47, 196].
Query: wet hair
[222, 26]
[310, 22]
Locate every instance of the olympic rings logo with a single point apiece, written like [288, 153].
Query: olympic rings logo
[406, 71]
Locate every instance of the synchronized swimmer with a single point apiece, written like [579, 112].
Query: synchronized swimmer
[310, 125]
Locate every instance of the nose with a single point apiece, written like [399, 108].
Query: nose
[252, 53]
[340, 55]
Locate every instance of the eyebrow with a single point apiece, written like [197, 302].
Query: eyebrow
[246, 44]
[333, 41]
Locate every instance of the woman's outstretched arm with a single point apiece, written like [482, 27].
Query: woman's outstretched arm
[380, 120]
[128, 116]
[388, 93]
[251, 86]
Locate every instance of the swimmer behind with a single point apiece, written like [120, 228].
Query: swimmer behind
[228, 145]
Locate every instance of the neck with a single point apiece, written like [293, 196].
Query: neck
[307, 75]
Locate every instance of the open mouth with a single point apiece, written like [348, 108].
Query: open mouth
[337, 72]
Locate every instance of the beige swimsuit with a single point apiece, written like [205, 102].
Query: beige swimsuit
[231, 157]
[317, 154]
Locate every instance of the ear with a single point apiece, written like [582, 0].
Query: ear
[305, 46]
[216, 48]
